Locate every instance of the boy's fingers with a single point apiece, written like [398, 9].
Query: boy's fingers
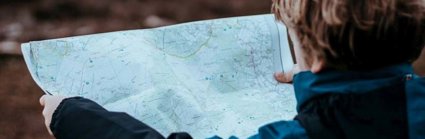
[42, 100]
[288, 76]
[47, 123]
[279, 76]
[50, 104]
[283, 77]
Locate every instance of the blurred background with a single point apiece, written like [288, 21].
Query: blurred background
[29, 20]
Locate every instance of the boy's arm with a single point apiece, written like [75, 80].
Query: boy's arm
[80, 118]
[84, 119]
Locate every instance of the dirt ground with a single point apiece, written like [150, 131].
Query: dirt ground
[28, 20]
[20, 116]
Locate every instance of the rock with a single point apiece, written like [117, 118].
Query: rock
[10, 47]
[156, 21]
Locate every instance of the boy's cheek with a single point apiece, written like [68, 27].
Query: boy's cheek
[299, 54]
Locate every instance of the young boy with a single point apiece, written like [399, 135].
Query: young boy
[356, 78]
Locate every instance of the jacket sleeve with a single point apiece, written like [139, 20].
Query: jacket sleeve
[80, 118]
[281, 130]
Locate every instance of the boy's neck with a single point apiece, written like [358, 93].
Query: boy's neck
[419, 64]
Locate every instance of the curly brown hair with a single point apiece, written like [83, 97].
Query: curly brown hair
[356, 34]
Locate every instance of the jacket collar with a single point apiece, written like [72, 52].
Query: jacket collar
[308, 85]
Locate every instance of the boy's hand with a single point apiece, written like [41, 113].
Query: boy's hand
[50, 104]
[287, 77]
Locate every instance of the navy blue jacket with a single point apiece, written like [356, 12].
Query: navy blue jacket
[385, 103]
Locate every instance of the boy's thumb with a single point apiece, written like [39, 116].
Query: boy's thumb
[43, 100]
[282, 77]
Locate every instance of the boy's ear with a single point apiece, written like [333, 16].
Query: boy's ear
[317, 65]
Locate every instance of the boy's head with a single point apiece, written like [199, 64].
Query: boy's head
[355, 34]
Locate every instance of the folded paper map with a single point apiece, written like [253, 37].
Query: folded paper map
[207, 78]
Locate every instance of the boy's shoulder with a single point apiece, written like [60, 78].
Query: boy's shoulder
[381, 103]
